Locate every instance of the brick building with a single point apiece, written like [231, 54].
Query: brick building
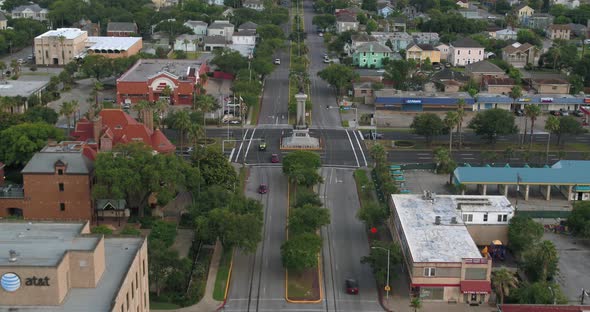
[56, 185]
[121, 29]
[148, 79]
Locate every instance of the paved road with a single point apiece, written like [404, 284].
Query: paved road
[275, 101]
[345, 243]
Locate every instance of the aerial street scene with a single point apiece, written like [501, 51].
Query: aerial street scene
[294, 155]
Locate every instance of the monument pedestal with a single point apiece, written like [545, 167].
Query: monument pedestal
[300, 139]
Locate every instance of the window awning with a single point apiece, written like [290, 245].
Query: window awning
[477, 287]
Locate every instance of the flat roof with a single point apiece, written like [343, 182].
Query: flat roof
[146, 68]
[112, 43]
[19, 87]
[68, 33]
[564, 172]
[428, 242]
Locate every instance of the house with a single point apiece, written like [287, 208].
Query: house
[92, 29]
[363, 90]
[398, 40]
[369, 75]
[3, 21]
[478, 70]
[187, 43]
[399, 24]
[410, 12]
[118, 29]
[578, 30]
[539, 21]
[557, 31]
[370, 55]
[253, 4]
[498, 85]
[570, 4]
[199, 28]
[469, 13]
[384, 9]
[426, 38]
[247, 37]
[221, 28]
[445, 51]
[464, 4]
[357, 40]
[31, 11]
[227, 13]
[505, 34]
[248, 26]
[164, 3]
[518, 55]
[550, 85]
[113, 127]
[523, 12]
[422, 52]
[147, 80]
[448, 80]
[346, 22]
[211, 43]
[216, 2]
[466, 51]
[438, 235]
[56, 185]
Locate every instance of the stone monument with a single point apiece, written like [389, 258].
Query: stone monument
[300, 137]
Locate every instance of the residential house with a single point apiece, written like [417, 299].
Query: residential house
[445, 51]
[31, 11]
[363, 90]
[448, 80]
[422, 52]
[399, 40]
[477, 71]
[410, 12]
[578, 30]
[3, 21]
[188, 43]
[518, 55]
[221, 28]
[464, 4]
[498, 85]
[539, 21]
[248, 26]
[227, 13]
[570, 4]
[370, 75]
[426, 38]
[550, 85]
[399, 24]
[466, 51]
[523, 12]
[253, 4]
[346, 22]
[244, 37]
[384, 9]
[216, 2]
[121, 29]
[556, 31]
[357, 40]
[471, 13]
[199, 28]
[370, 55]
[211, 43]
[159, 4]
[505, 34]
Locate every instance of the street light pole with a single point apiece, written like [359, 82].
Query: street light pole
[387, 287]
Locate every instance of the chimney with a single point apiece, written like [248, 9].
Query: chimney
[148, 119]
[437, 220]
[96, 128]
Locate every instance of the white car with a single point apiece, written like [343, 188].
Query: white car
[277, 61]
[326, 60]
[321, 34]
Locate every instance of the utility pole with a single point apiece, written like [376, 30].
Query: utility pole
[387, 287]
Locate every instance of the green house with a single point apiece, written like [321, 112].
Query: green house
[371, 55]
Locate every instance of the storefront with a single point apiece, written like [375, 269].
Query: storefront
[419, 104]
[546, 102]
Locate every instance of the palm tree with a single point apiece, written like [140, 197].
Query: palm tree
[96, 88]
[186, 42]
[451, 120]
[182, 122]
[416, 304]
[516, 93]
[159, 107]
[63, 53]
[460, 115]
[67, 109]
[205, 103]
[139, 107]
[532, 111]
[547, 253]
[552, 126]
[194, 132]
[503, 281]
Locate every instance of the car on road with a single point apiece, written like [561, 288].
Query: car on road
[277, 61]
[262, 146]
[20, 61]
[518, 112]
[30, 57]
[262, 189]
[326, 60]
[352, 286]
[321, 34]
[274, 158]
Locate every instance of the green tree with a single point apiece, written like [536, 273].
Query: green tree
[493, 122]
[41, 113]
[182, 122]
[369, 5]
[416, 304]
[398, 71]
[541, 261]
[427, 125]
[325, 21]
[239, 224]
[307, 197]
[161, 262]
[205, 103]
[308, 219]
[21, 141]
[378, 154]
[568, 126]
[101, 229]
[579, 219]
[450, 121]
[540, 293]
[528, 36]
[229, 61]
[503, 282]
[301, 167]
[552, 126]
[444, 161]
[130, 230]
[372, 214]
[269, 31]
[300, 252]
[371, 26]
[377, 259]
[460, 116]
[68, 109]
[339, 76]
[97, 66]
[532, 112]
[523, 233]
[217, 170]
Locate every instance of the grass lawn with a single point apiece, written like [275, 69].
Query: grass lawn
[223, 274]
[243, 176]
[304, 286]
[254, 111]
[163, 305]
[193, 55]
[362, 179]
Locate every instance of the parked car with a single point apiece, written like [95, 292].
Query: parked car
[373, 136]
[518, 112]
[578, 113]
[30, 57]
[262, 189]
[126, 105]
[21, 61]
[277, 61]
[274, 158]
[564, 112]
[352, 286]
[326, 60]
[555, 113]
[321, 34]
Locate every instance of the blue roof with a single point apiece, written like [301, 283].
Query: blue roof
[422, 100]
[564, 172]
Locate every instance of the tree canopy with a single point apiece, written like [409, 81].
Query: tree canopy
[493, 122]
[300, 252]
[301, 167]
[339, 76]
[377, 259]
[20, 142]
[308, 219]
[579, 219]
[523, 233]
[427, 125]
[372, 214]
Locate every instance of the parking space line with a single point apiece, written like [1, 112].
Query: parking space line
[360, 148]
[353, 151]
[241, 144]
[231, 155]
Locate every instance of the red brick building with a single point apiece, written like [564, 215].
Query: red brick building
[113, 126]
[56, 185]
[148, 79]
[121, 29]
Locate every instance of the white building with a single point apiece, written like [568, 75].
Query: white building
[32, 11]
[247, 37]
[254, 5]
[221, 28]
[466, 51]
[444, 51]
[198, 27]
[346, 22]
[188, 43]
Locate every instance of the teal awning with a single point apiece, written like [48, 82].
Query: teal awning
[582, 188]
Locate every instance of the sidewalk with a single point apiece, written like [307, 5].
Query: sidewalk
[207, 304]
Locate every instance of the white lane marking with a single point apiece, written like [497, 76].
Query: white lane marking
[467, 158]
[277, 120]
[424, 157]
[423, 154]
[361, 135]
[249, 143]
[360, 148]
[353, 151]
[462, 154]
[231, 155]
[241, 144]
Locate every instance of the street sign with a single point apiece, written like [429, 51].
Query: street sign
[345, 107]
[387, 288]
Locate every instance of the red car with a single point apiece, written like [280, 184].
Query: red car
[262, 189]
[274, 158]
[352, 287]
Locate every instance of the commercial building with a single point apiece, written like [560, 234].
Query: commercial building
[149, 78]
[113, 47]
[417, 101]
[62, 267]
[547, 102]
[566, 177]
[56, 185]
[442, 259]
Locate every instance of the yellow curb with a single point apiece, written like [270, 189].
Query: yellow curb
[231, 265]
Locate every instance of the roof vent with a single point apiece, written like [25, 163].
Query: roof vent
[437, 220]
[454, 220]
[12, 256]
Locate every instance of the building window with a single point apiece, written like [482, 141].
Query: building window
[469, 52]
[429, 272]
[62, 207]
[468, 217]
[136, 280]
[61, 187]
[127, 296]
[502, 218]
[143, 267]
[132, 290]
[485, 217]
[60, 172]
[122, 307]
